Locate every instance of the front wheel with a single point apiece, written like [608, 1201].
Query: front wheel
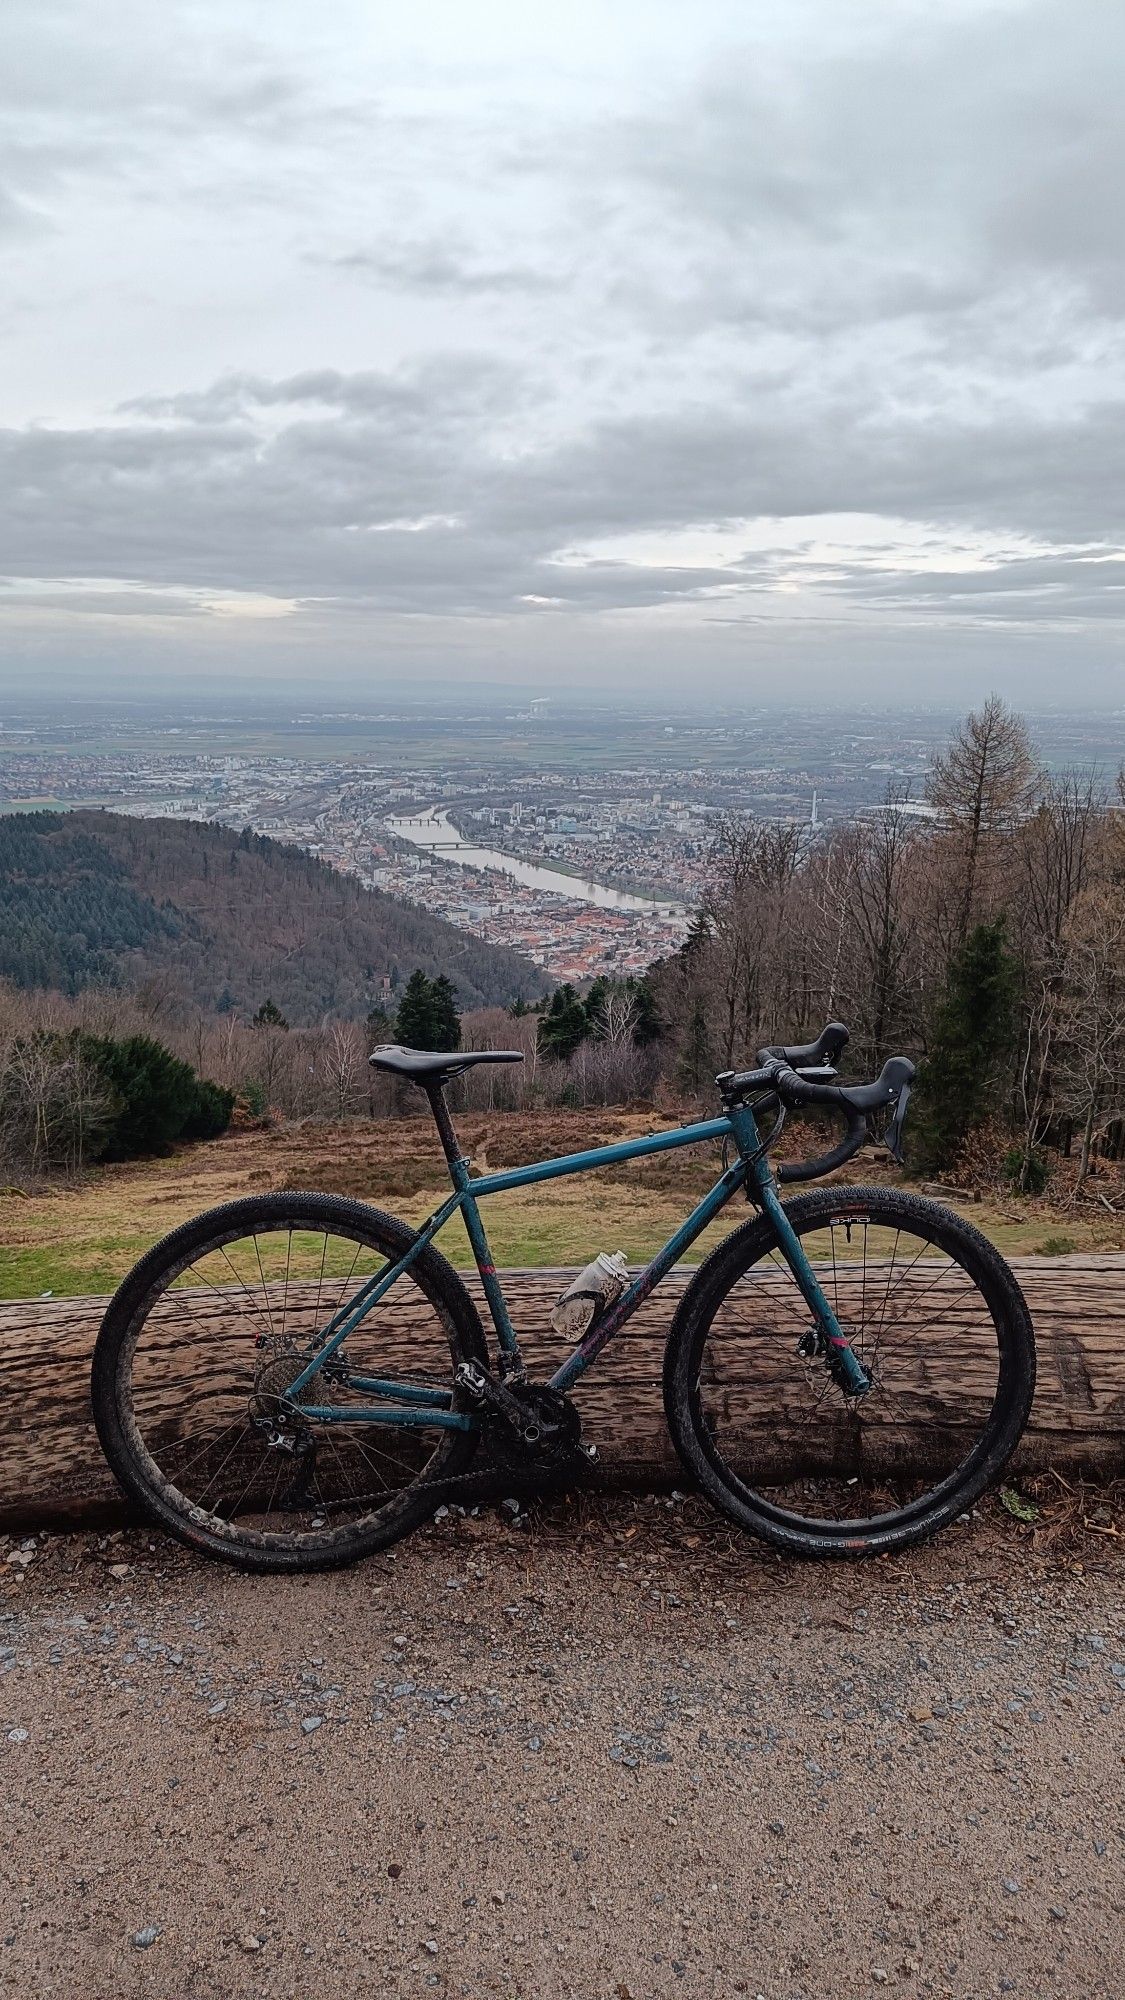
[941, 1327]
[202, 1343]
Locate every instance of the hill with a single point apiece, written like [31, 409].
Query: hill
[93, 898]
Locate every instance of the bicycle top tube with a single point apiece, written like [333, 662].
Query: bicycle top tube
[603, 1156]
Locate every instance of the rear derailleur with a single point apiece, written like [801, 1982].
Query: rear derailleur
[542, 1422]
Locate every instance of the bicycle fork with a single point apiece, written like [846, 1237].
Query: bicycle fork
[846, 1368]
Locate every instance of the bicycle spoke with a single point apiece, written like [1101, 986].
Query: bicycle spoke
[285, 1289]
[224, 1463]
[893, 1291]
[226, 1345]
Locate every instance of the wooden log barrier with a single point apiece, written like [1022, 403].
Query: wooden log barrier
[52, 1472]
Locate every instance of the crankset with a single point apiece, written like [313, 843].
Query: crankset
[542, 1421]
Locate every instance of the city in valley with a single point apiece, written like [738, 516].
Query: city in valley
[579, 835]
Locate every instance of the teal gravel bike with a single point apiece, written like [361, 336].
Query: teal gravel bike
[293, 1381]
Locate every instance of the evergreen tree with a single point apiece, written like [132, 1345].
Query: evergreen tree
[416, 1022]
[447, 1021]
[211, 1113]
[694, 946]
[697, 1063]
[380, 1027]
[648, 1027]
[600, 990]
[564, 1025]
[269, 1015]
[967, 1072]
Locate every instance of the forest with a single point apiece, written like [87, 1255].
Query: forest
[100, 900]
[983, 935]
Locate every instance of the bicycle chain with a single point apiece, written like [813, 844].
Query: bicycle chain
[509, 1475]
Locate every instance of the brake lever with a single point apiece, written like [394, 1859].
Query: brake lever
[892, 1137]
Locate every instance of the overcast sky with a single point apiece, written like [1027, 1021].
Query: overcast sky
[773, 349]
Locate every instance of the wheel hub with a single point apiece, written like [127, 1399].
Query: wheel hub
[813, 1346]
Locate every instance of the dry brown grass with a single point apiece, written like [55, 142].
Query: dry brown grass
[82, 1239]
[1076, 1516]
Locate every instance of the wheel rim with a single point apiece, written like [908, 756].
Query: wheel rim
[215, 1345]
[778, 1429]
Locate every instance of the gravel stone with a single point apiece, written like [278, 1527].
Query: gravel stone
[842, 1703]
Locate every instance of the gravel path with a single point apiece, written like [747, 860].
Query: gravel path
[614, 1752]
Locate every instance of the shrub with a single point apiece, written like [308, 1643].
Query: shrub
[1026, 1170]
[69, 1098]
[212, 1111]
[155, 1093]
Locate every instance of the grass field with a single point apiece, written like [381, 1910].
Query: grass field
[83, 1239]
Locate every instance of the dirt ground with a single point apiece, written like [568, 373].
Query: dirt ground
[613, 1752]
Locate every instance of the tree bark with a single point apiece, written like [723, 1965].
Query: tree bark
[51, 1470]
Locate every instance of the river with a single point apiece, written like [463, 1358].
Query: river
[434, 830]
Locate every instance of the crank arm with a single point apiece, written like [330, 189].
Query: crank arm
[486, 1390]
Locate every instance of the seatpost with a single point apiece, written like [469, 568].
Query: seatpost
[449, 1143]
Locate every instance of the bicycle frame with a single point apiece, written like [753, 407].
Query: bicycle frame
[410, 1404]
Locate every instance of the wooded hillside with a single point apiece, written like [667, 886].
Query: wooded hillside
[97, 899]
[985, 937]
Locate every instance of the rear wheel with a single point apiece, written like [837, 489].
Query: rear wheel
[204, 1338]
[936, 1318]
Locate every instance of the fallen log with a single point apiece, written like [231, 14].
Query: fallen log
[52, 1472]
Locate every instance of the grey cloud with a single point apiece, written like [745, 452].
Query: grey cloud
[442, 268]
[398, 490]
[443, 387]
[77, 601]
[933, 170]
[17, 215]
[878, 271]
[1036, 588]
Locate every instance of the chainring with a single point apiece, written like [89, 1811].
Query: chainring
[560, 1427]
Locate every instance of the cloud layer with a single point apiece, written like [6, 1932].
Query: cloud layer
[729, 346]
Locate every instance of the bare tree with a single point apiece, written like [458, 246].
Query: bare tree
[343, 1063]
[1043, 1004]
[270, 1046]
[1093, 1012]
[54, 1106]
[983, 785]
[757, 961]
[616, 1018]
[880, 911]
[1058, 848]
